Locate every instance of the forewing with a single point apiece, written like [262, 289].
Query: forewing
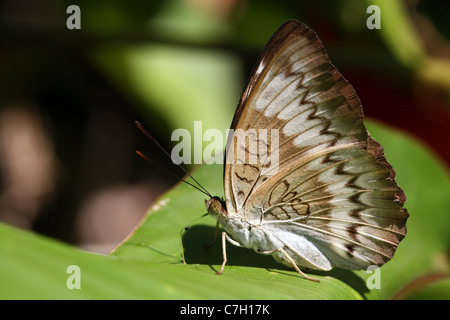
[331, 182]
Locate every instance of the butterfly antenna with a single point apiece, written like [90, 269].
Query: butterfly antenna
[203, 190]
[171, 173]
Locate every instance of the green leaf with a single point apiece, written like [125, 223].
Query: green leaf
[422, 177]
[34, 267]
[148, 264]
[248, 275]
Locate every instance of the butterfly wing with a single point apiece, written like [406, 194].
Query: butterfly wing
[329, 183]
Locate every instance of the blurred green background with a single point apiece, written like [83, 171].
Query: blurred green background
[69, 98]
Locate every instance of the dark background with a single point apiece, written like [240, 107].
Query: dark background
[68, 167]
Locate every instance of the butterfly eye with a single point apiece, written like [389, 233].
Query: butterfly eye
[213, 206]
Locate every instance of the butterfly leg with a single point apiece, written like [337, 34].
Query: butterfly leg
[295, 265]
[226, 238]
[292, 262]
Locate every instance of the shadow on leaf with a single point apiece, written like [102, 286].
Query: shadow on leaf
[195, 242]
[196, 252]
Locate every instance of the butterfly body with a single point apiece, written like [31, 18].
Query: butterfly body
[322, 194]
[266, 238]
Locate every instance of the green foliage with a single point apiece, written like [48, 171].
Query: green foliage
[178, 73]
[148, 264]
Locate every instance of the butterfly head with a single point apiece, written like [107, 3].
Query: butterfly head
[215, 206]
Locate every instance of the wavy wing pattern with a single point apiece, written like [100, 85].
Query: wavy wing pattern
[331, 184]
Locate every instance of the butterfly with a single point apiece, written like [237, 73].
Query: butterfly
[331, 200]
